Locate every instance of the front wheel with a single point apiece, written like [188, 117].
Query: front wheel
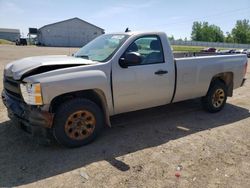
[216, 97]
[77, 122]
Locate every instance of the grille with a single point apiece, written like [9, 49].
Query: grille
[12, 87]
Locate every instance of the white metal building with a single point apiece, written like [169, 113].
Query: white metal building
[9, 34]
[68, 33]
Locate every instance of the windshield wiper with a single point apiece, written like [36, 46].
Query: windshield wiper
[83, 56]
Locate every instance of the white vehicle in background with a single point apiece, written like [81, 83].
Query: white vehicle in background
[72, 98]
[247, 52]
[240, 51]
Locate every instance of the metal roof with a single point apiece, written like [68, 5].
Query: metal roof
[70, 20]
[6, 30]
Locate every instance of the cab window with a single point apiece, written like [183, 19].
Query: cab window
[149, 48]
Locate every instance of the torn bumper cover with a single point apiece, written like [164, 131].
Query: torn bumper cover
[29, 118]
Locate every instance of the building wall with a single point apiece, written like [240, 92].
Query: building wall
[71, 33]
[9, 36]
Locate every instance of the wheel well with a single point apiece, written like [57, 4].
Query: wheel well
[226, 78]
[95, 95]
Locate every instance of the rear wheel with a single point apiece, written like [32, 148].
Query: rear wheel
[77, 122]
[216, 97]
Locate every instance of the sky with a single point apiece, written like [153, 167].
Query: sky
[173, 17]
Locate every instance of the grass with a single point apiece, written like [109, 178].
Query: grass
[3, 41]
[177, 48]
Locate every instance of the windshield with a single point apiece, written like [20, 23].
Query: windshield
[102, 48]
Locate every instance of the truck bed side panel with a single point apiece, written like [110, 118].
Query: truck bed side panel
[195, 74]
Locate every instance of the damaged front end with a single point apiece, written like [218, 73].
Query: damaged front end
[32, 119]
[24, 100]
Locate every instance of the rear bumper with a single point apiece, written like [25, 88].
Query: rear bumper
[29, 118]
[243, 82]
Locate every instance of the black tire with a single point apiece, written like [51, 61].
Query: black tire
[209, 102]
[67, 112]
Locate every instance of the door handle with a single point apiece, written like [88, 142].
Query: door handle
[161, 72]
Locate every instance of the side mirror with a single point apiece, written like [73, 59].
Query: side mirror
[131, 59]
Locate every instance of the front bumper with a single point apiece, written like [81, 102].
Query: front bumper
[29, 118]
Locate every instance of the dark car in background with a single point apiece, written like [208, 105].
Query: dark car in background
[21, 42]
[210, 50]
[232, 51]
[228, 51]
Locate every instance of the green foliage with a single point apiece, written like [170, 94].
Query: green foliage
[241, 32]
[171, 38]
[202, 31]
[229, 38]
[178, 48]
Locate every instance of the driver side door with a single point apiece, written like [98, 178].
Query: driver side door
[146, 84]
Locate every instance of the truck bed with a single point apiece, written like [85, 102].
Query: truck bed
[194, 73]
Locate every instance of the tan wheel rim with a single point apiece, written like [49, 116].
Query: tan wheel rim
[80, 125]
[218, 98]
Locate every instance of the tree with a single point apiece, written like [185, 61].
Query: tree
[241, 32]
[229, 38]
[217, 34]
[202, 31]
[196, 31]
[171, 38]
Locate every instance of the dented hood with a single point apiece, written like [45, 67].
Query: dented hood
[17, 69]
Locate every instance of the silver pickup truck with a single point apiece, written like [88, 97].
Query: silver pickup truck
[73, 97]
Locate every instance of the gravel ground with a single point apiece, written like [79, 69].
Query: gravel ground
[142, 149]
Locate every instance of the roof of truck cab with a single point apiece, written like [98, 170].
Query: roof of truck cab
[138, 32]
